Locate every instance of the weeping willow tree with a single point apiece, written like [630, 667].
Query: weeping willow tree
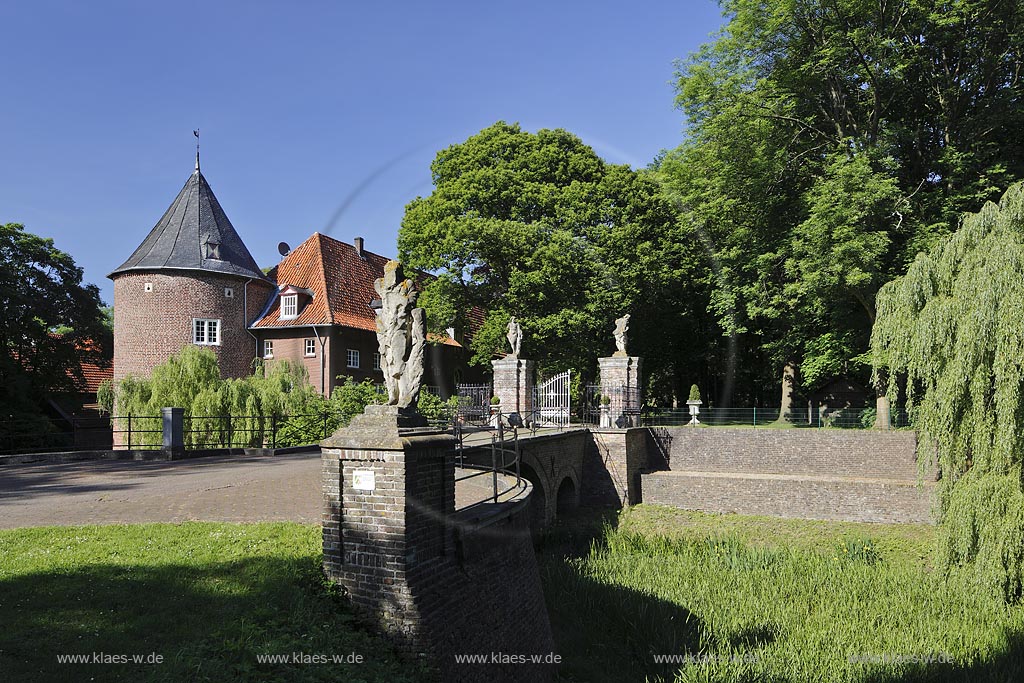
[191, 380]
[241, 413]
[951, 331]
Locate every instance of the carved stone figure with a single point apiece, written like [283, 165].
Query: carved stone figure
[401, 333]
[621, 328]
[515, 336]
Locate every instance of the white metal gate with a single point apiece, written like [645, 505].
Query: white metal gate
[551, 401]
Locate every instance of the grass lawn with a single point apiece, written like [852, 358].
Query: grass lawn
[764, 599]
[208, 598]
[746, 598]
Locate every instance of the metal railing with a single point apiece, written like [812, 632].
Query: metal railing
[42, 434]
[504, 449]
[200, 432]
[857, 418]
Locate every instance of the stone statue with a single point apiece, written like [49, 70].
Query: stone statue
[621, 328]
[401, 333]
[515, 336]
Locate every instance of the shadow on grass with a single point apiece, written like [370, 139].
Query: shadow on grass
[1006, 666]
[207, 622]
[607, 632]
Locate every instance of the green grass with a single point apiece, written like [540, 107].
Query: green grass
[763, 599]
[758, 599]
[207, 597]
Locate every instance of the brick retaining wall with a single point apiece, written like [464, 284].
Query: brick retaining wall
[851, 500]
[852, 475]
[826, 452]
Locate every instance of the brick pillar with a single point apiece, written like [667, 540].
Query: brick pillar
[622, 382]
[388, 493]
[513, 384]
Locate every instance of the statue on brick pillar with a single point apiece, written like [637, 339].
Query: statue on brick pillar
[401, 335]
[621, 379]
[513, 378]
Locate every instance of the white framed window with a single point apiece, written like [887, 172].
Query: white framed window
[289, 306]
[212, 250]
[148, 287]
[376, 361]
[268, 348]
[206, 332]
[311, 347]
[229, 293]
[352, 355]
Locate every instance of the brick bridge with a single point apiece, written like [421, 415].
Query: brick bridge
[570, 467]
[852, 475]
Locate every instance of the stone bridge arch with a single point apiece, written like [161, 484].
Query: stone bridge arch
[553, 463]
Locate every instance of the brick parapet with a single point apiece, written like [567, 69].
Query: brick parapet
[415, 571]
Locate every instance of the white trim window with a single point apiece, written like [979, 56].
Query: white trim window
[352, 356]
[310, 347]
[289, 306]
[376, 360]
[205, 332]
[268, 348]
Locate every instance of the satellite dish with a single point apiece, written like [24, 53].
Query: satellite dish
[283, 249]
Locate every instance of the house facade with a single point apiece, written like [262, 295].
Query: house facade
[321, 315]
[193, 281]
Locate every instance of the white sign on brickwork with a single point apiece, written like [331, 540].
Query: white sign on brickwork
[363, 480]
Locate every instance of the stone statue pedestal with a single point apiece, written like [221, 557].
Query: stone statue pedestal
[621, 381]
[379, 426]
[513, 384]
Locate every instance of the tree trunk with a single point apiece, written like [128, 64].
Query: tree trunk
[883, 410]
[788, 384]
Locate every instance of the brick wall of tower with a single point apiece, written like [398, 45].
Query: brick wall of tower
[150, 326]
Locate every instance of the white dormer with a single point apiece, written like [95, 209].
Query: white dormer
[293, 300]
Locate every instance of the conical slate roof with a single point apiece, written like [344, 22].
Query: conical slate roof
[193, 234]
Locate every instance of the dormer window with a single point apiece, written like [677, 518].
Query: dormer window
[211, 250]
[289, 306]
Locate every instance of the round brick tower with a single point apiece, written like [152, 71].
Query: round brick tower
[191, 281]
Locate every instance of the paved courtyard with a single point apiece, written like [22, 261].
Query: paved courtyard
[224, 488]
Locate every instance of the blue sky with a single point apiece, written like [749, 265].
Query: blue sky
[301, 103]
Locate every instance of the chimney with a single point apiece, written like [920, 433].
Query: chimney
[359, 246]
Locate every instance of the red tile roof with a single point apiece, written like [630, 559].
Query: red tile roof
[94, 376]
[341, 282]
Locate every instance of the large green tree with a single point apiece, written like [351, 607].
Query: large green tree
[536, 225]
[49, 322]
[952, 332]
[831, 140]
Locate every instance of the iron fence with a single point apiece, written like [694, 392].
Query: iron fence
[474, 403]
[226, 431]
[41, 434]
[862, 418]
